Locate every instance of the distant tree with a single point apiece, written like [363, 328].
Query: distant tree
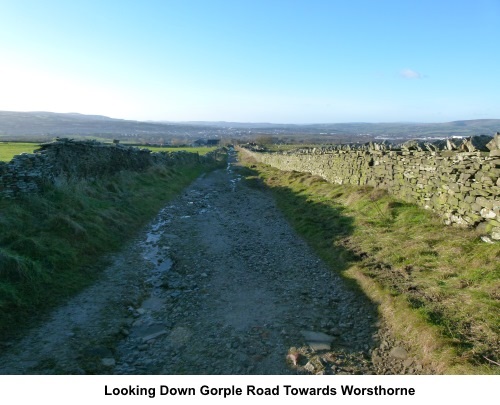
[265, 140]
[176, 141]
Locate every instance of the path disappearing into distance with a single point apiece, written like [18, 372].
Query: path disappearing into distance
[217, 283]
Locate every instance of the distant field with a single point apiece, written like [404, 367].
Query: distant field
[9, 149]
[201, 150]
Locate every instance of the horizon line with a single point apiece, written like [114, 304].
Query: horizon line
[195, 121]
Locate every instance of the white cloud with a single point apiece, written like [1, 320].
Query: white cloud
[410, 74]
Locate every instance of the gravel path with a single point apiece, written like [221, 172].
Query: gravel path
[218, 283]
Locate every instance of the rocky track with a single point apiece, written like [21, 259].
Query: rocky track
[218, 283]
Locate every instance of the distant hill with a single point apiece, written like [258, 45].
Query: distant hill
[43, 125]
[47, 123]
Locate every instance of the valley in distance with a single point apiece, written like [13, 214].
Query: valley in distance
[44, 126]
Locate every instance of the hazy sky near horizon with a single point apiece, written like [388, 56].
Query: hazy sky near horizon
[253, 61]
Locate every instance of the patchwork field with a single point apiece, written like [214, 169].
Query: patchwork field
[9, 149]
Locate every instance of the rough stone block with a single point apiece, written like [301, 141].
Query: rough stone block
[485, 202]
[488, 213]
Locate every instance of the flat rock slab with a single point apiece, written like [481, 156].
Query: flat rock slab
[108, 362]
[317, 341]
[146, 331]
[398, 353]
[154, 335]
[169, 236]
[153, 304]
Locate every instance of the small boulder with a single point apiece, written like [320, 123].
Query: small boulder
[494, 144]
[476, 143]
[108, 362]
[399, 353]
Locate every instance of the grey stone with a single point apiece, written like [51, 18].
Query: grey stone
[108, 362]
[486, 239]
[494, 144]
[487, 213]
[407, 174]
[408, 362]
[318, 340]
[495, 233]
[398, 352]
[153, 336]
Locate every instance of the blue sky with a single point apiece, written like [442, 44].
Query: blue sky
[253, 61]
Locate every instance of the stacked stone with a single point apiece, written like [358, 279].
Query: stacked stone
[22, 174]
[463, 187]
[67, 160]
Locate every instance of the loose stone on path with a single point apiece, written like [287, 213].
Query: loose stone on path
[218, 283]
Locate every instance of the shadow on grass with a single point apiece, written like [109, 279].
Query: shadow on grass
[325, 227]
[54, 244]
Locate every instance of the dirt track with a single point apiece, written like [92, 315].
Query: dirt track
[218, 283]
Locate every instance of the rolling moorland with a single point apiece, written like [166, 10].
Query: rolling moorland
[43, 126]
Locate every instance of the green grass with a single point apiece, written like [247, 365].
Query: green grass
[49, 243]
[200, 150]
[438, 286]
[9, 149]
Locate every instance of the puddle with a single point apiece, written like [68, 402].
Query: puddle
[233, 158]
[153, 303]
[234, 181]
[159, 271]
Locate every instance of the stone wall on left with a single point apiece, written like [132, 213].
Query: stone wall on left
[67, 160]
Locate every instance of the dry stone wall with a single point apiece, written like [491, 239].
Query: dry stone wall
[67, 160]
[463, 187]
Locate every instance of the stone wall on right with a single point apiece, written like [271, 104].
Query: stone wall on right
[462, 187]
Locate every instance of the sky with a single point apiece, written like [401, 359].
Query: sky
[274, 61]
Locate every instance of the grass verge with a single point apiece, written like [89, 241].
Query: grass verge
[49, 243]
[437, 287]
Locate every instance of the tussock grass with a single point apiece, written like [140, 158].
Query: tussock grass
[49, 243]
[437, 286]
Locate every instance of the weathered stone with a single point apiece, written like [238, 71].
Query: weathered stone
[494, 144]
[108, 362]
[476, 143]
[487, 213]
[483, 227]
[66, 160]
[317, 340]
[476, 207]
[398, 352]
[495, 233]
